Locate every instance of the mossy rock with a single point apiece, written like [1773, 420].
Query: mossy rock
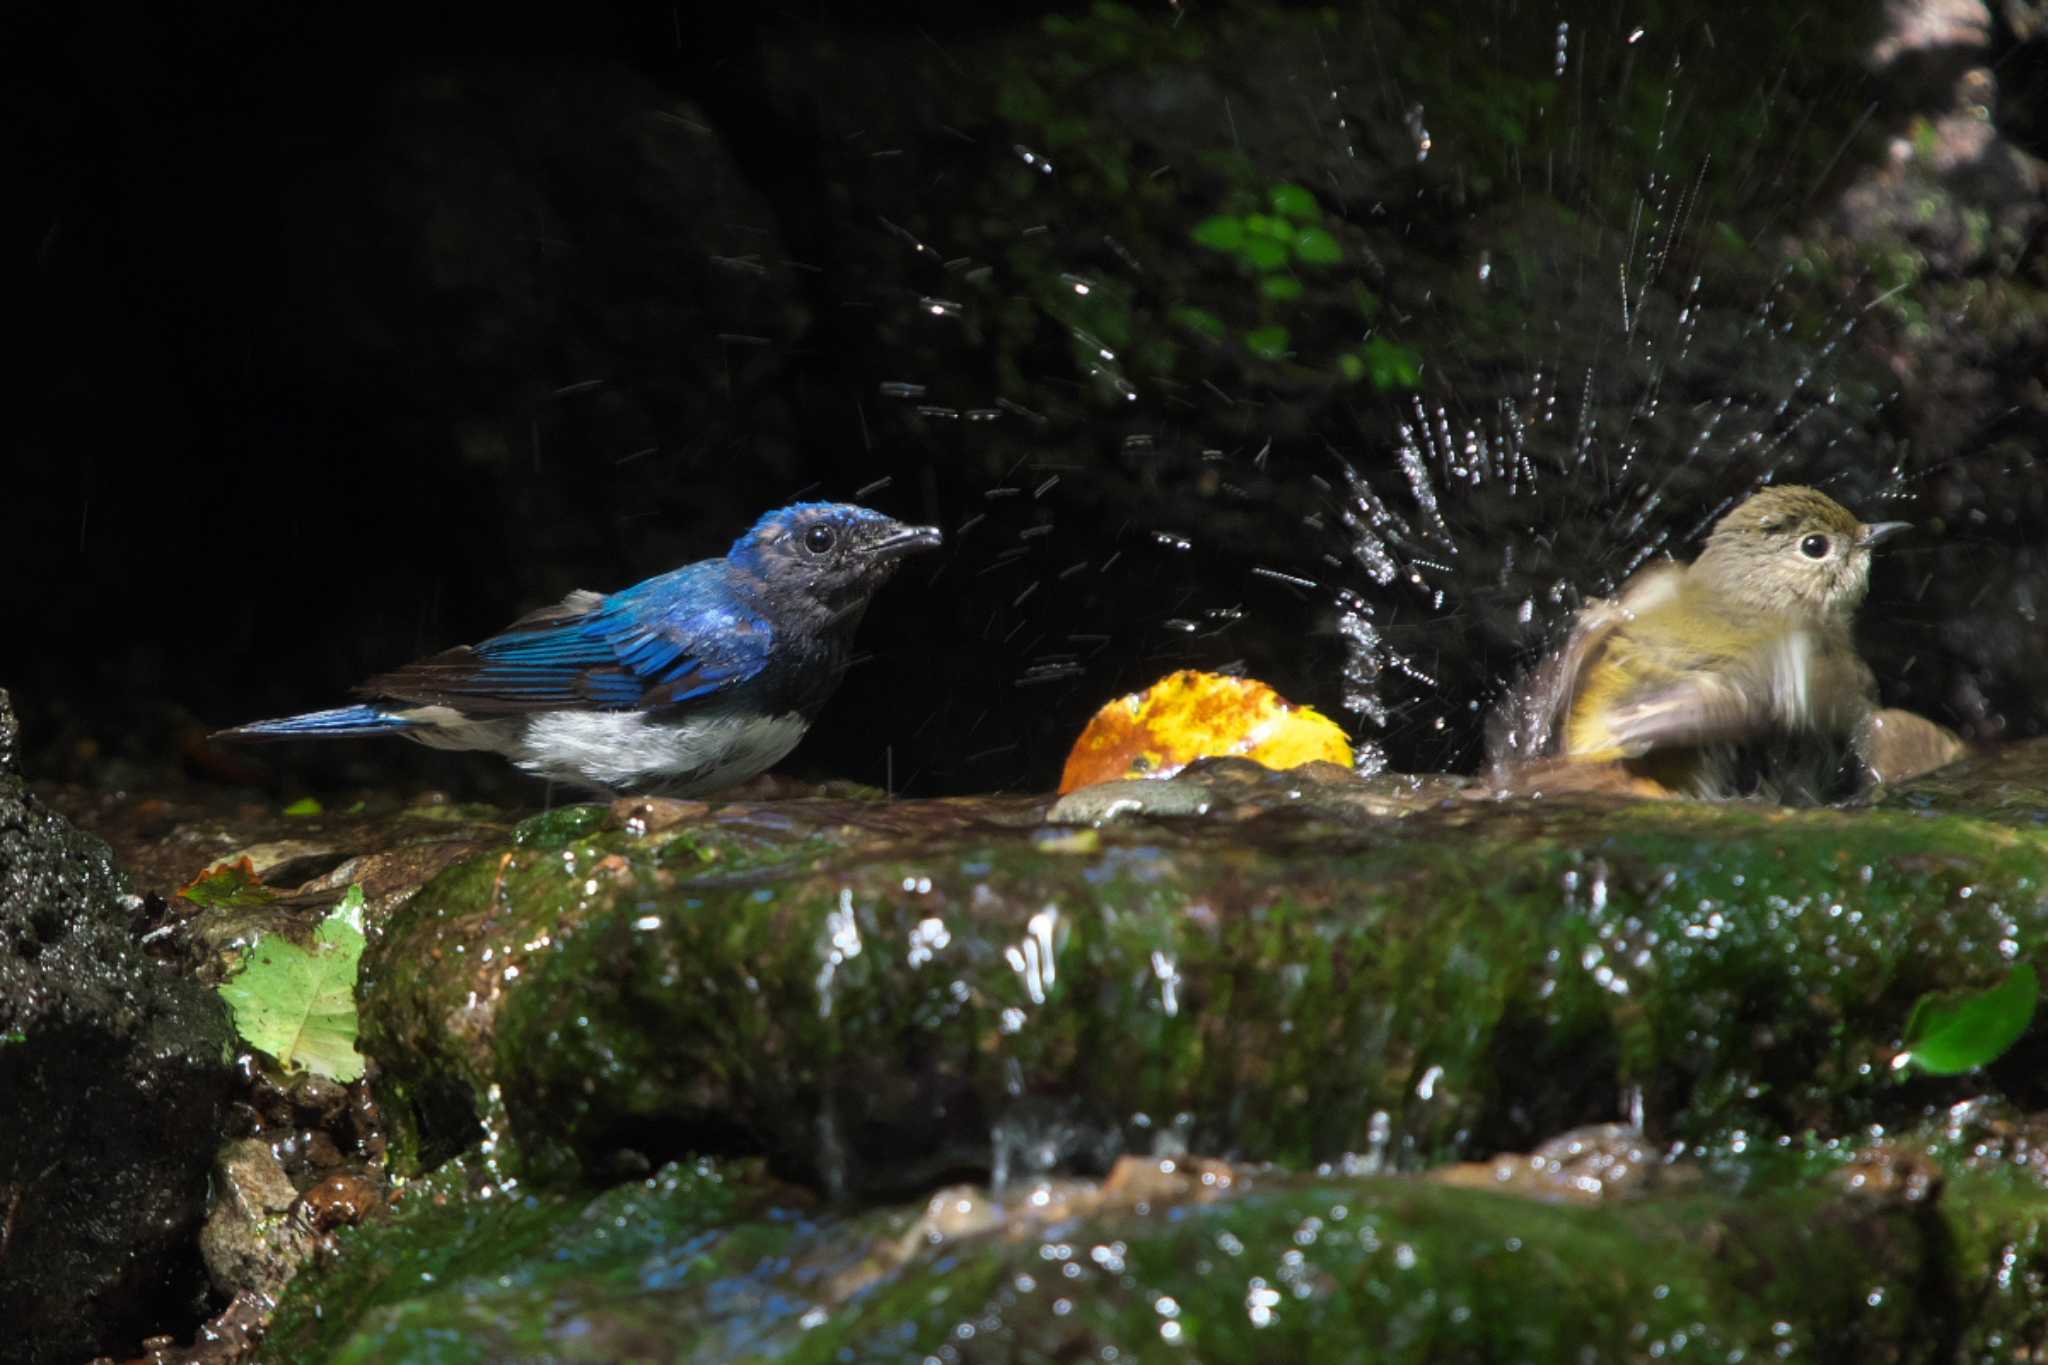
[876, 996]
[707, 1263]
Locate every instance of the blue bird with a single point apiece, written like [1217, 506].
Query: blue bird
[686, 683]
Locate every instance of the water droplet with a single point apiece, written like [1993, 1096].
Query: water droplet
[1418, 132]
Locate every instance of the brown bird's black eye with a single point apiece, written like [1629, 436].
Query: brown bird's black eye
[820, 538]
[1814, 547]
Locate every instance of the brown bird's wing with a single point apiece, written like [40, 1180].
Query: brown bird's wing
[1531, 721]
[1559, 683]
[1795, 681]
[1699, 708]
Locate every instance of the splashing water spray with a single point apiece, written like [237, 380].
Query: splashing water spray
[1634, 394]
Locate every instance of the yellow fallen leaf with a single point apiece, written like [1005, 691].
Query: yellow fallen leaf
[1190, 715]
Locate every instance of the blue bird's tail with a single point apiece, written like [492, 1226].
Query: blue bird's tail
[339, 723]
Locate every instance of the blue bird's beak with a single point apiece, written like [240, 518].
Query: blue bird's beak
[893, 540]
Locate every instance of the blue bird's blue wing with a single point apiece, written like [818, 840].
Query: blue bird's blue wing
[670, 640]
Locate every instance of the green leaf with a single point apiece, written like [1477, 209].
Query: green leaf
[1949, 1034]
[1221, 233]
[1269, 343]
[305, 805]
[1265, 225]
[230, 886]
[1352, 367]
[1264, 252]
[1317, 247]
[1062, 133]
[1280, 288]
[1730, 237]
[300, 1006]
[1292, 201]
[1199, 320]
[1393, 365]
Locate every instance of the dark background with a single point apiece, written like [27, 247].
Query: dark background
[345, 335]
[300, 320]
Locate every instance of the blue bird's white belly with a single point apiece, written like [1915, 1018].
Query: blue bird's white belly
[625, 750]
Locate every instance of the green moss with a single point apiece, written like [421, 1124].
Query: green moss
[873, 1009]
[1436, 992]
[467, 1269]
[697, 1264]
[560, 827]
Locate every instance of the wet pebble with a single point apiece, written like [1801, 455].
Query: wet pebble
[1106, 801]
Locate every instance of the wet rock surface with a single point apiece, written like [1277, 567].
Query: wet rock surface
[867, 993]
[301, 860]
[866, 1077]
[249, 1242]
[703, 1262]
[114, 1079]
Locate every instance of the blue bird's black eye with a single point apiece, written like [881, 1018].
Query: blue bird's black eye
[1814, 547]
[820, 538]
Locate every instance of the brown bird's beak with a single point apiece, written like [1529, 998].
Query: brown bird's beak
[1877, 532]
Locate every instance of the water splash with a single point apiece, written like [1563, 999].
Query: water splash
[1499, 529]
[1632, 393]
[842, 943]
